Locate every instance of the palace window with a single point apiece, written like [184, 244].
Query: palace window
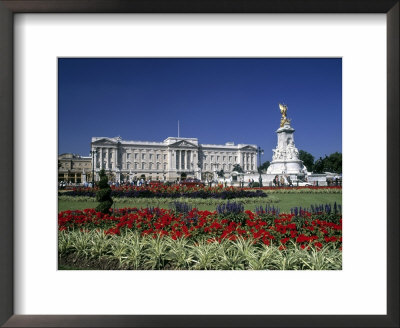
[143, 156]
[143, 166]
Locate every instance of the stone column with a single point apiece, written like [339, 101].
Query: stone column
[184, 160]
[107, 159]
[101, 159]
[170, 163]
[177, 159]
[94, 160]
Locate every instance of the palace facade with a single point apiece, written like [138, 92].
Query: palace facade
[173, 159]
[74, 168]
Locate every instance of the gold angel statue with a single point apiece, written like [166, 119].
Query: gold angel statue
[284, 119]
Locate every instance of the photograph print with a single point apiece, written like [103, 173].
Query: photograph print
[200, 164]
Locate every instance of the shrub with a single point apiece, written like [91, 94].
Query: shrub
[103, 195]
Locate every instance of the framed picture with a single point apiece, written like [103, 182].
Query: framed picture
[224, 298]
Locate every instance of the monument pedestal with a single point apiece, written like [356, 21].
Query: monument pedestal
[83, 176]
[285, 159]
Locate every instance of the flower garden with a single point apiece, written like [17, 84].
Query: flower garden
[171, 191]
[179, 236]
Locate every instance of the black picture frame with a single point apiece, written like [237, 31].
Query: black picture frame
[10, 7]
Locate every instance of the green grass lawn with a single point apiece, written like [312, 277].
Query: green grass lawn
[286, 201]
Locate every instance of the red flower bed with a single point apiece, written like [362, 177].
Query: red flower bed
[309, 229]
[294, 187]
[171, 191]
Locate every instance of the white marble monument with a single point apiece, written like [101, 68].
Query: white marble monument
[285, 159]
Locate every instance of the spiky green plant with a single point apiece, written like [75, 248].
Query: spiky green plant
[155, 251]
[179, 254]
[204, 254]
[130, 250]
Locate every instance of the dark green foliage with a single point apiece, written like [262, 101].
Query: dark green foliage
[307, 159]
[103, 196]
[331, 163]
[237, 168]
[318, 166]
[221, 173]
[264, 166]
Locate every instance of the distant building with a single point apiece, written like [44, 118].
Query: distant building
[74, 168]
[173, 159]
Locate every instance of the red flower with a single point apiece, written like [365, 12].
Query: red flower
[318, 245]
[285, 240]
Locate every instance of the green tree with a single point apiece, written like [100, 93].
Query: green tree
[221, 173]
[307, 159]
[264, 166]
[237, 168]
[103, 195]
[333, 163]
[318, 166]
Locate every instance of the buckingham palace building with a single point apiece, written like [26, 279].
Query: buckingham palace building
[173, 159]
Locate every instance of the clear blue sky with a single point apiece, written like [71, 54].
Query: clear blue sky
[215, 100]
